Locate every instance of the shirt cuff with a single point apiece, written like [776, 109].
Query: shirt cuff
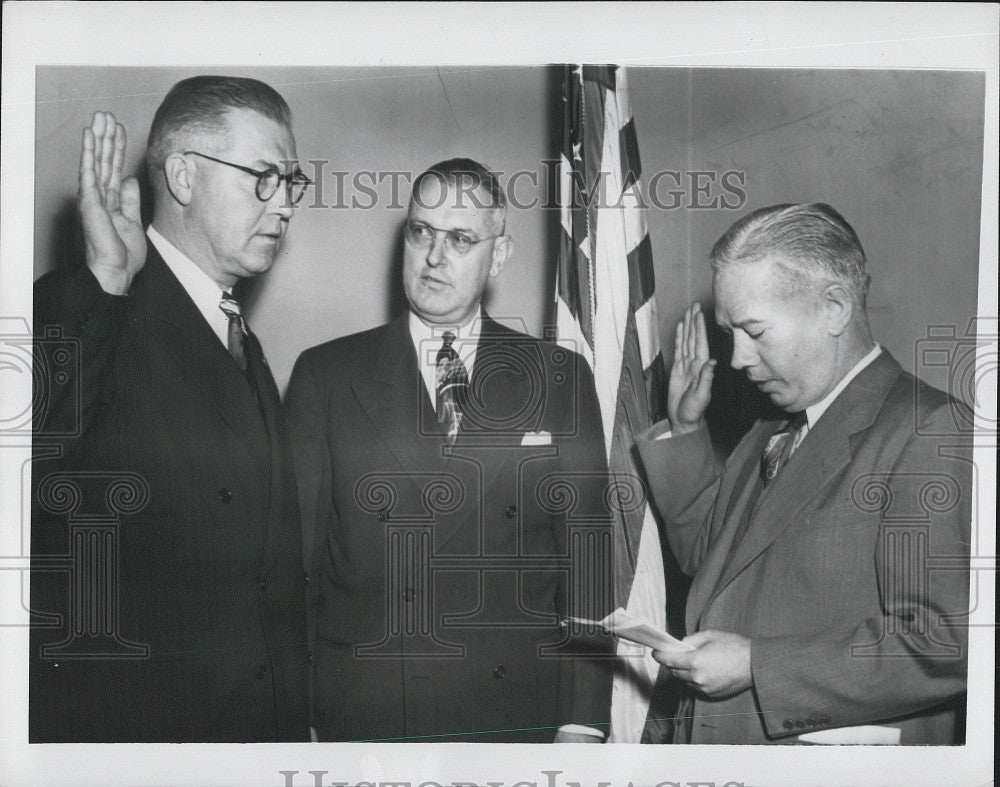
[579, 729]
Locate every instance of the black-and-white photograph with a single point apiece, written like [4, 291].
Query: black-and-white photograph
[377, 416]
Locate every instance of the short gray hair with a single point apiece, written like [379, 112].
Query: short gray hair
[469, 175]
[201, 103]
[810, 242]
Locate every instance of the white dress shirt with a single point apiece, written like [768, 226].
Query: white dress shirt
[206, 294]
[814, 412]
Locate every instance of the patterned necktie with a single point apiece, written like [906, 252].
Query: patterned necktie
[779, 448]
[237, 328]
[452, 388]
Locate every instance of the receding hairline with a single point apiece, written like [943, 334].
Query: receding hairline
[496, 211]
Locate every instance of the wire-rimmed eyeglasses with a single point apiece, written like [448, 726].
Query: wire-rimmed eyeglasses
[268, 180]
[423, 236]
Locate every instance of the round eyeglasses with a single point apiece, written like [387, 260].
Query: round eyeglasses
[424, 236]
[268, 180]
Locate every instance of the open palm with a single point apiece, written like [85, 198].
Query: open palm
[691, 374]
[109, 206]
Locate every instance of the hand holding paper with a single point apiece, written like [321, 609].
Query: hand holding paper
[717, 663]
[622, 625]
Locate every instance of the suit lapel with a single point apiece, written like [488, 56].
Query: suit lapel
[487, 437]
[180, 330]
[392, 393]
[824, 452]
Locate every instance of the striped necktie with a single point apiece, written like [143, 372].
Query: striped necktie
[779, 448]
[237, 328]
[452, 388]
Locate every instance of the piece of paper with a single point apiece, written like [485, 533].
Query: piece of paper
[625, 626]
[863, 735]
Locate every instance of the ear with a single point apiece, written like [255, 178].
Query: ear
[179, 174]
[838, 307]
[503, 247]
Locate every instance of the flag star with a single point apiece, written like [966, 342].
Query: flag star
[576, 152]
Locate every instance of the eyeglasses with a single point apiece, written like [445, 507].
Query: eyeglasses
[424, 236]
[268, 180]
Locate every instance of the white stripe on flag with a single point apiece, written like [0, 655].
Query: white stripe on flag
[611, 279]
[566, 195]
[570, 334]
[648, 330]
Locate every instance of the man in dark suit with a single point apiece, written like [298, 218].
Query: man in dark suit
[166, 541]
[451, 474]
[830, 552]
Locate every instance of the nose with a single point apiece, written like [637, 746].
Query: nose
[281, 203]
[435, 252]
[743, 353]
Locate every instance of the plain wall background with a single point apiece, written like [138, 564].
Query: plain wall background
[898, 153]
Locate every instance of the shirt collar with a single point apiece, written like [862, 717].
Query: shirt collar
[199, 286]
[814, 412]
[427, 339]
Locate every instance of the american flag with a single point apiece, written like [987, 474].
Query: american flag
[606, 311]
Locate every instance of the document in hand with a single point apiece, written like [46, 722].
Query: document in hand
[624, 626]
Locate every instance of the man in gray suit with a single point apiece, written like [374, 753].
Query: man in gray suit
[819, 609]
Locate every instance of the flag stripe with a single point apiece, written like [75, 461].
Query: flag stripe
[606, 298]
[629, 144]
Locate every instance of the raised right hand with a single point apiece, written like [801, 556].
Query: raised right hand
[109, 207]
[690, 388]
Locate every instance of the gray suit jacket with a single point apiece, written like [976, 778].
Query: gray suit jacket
[851, 579]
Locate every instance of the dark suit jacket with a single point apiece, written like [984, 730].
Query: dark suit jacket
[439, 575]
[852, 578]
[209, 641]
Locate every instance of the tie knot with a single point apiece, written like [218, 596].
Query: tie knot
[796, 422]
[449, 338]
[230, 306]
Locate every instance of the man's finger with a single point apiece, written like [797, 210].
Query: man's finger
[705, 377]
[107, 149]
[97, 127]
[679, 343]
[689, 333]
[87, 179]
[130, 200]
[674, 659]
[119, 157]
[701, 337]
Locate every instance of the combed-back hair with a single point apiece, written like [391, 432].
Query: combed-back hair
[808, 243]
[471, 177]
[201, 103]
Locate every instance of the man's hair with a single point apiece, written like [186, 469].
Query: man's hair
[200, 104]
[809, 244]
[474, 181]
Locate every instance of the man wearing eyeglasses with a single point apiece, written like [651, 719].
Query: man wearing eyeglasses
[451, 473]
[193, 628]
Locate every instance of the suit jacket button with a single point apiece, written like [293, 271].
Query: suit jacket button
[383, 515]
[408, 594]
[263, 587]
[800, 724]
[225, 495]
[788, 724]
[499, 673]
[811, 722]
[510, 511]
